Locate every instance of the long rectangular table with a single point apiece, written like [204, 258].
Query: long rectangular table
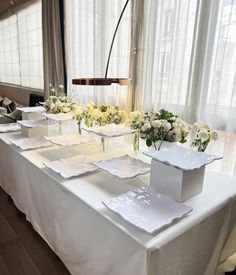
[91, 240]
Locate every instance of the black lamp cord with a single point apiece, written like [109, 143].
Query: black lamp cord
[112, 42]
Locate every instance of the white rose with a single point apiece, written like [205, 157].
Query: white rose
[146, 127]
[178, 130]
[52, 106]
[205, 126]
[142, 121]
[65, 109]
[196, 127]
[173, 118]
[178, 137]
[214, 135]
[156, 123]
[203, 134]
[136, 115]
[78, 110]
[166, 126]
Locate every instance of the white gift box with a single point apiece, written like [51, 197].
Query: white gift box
[173, 182]
[34, 132]
[178, 172]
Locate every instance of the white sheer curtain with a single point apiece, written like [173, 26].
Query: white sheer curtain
[164, 54]
[90, 26]
[187, 59]
[218, 105]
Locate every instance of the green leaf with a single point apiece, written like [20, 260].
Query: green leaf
[149, 142]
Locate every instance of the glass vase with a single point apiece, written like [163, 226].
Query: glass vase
[136, 142]
[103, 144]
[79, 127]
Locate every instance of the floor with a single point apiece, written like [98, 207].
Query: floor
[22, 250]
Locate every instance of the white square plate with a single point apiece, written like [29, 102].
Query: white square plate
[9, 127]
[71, 167]
[110, 130]
[124, 167]
[36, 109]
[68, 140]
[31, 143]
[59, 116]
[147, 209]
[35, 123]
[181, 158]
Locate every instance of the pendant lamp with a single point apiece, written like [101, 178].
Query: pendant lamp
[105, 81]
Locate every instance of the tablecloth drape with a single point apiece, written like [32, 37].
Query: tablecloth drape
[90, 240]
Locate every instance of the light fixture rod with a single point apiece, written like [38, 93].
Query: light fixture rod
[112, 42]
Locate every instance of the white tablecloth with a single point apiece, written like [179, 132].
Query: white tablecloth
[90, 240]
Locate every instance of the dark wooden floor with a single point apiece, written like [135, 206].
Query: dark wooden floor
[22, 250]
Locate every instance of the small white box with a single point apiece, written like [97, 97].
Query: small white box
[178, 184]
[34, 132]
[32, 116]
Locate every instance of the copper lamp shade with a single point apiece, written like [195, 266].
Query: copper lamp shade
[101, 81]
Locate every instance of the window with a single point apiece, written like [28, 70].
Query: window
[21, 57]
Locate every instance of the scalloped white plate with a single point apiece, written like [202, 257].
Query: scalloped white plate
[147, 209]
[68, 140]
[71, 167]
[35, 123]
[9, 127]
[182, 158]
[31, 143]
[124, 167]
[36, 109]
[59, 116]
[110, 130]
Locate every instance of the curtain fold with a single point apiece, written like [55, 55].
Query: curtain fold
[218, 107]
[136, 33]
[200, 63]
[54, 69]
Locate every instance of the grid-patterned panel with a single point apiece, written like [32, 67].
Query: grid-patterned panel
[21, 61]
[30, 46]
[9, 55]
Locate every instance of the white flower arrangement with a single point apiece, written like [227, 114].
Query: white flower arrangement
[79, 114]
[104, 114]
[58, 102]
[203, 135]
[158, 127]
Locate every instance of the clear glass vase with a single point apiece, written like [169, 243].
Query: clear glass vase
[79, 127]
[136, 141]
[103, 149]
